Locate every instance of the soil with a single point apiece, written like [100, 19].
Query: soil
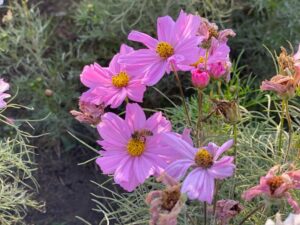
[65, 188]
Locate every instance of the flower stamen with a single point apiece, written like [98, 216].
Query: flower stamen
[203, 158]
[274, 183]
[164, 49]
[170, 197]
[120, 80]
[135, 147]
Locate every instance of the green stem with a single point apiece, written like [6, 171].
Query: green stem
[289, 120]
[281, 126]
[235, 138]
[200, 117]
[251, 214]
[182, 95]
[205, 212]
[191, 219]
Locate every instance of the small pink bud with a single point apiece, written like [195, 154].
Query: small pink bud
[200, 78]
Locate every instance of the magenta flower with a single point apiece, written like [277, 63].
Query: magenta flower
[215, 60]
[113, 84]
[165, 205]
[174, 49]
[132, 147]
[205, 163]
[89, 113]
[276, 186]
[3, 88]
[200, 79]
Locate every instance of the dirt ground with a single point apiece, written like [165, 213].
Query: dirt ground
[65, 186]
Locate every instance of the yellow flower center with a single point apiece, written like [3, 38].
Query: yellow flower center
[135, 147]
[203, 158]
[120, 80]
[164, 49]
[274, 183]
[200, 60]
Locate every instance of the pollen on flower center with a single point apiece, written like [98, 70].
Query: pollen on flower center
[135, 147]
[274, 183]
[120, 80]
[164, 49]
[199, 61]
[203, 158]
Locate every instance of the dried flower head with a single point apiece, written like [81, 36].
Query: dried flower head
[226, 210]
[89, 113]
[228, 109]
[165, 205]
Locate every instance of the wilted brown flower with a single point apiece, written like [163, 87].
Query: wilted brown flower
[165, 205]
[228, 109]
[90, 113]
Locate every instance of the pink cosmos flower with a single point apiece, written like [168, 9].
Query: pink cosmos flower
[132, 147]
[89, 113]
[206, 166]
[3, 88]
[276, 186]
[113, 84]
[216, 62]
[174, 49]
[165, 205]
[200, 79]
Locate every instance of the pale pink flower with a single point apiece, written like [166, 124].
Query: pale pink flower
[276, 186]
[114, 84]
[200, 79]
[174, 49]
[132, 147]
[89, 113]
[165, 205]
[292, 219]
[3, 88]
[226, 210]
[206, 166]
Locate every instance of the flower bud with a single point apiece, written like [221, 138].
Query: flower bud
[200, 79]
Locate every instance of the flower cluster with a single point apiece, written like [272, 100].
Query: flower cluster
[136, 147]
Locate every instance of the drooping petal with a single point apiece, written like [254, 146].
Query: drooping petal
[147, 40]
[179, 146]
[179, 168]
[223, 168]
[227, 145]
[154, 73]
